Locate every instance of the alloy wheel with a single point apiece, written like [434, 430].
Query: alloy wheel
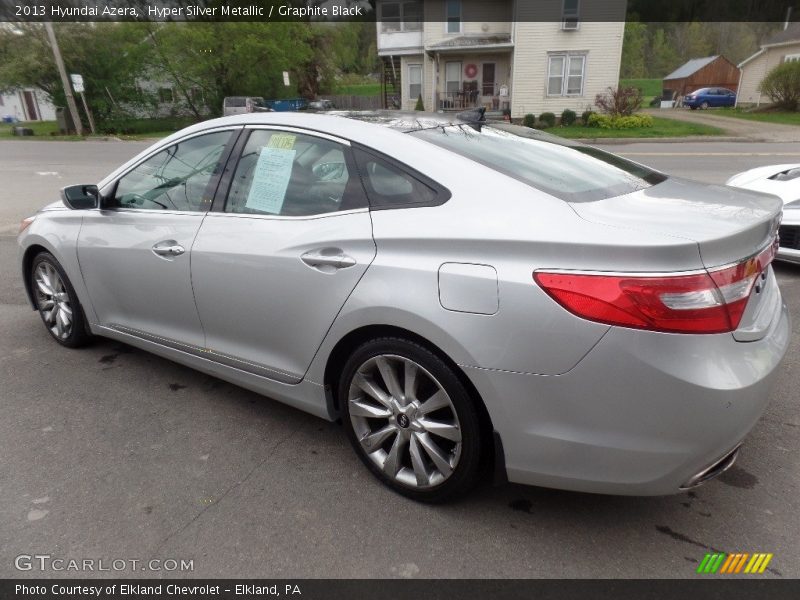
[53, 300]
[404, 421]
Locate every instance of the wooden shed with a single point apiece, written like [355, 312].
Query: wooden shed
[711, 71]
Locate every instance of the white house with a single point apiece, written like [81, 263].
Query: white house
[527, 56]
[28, 104]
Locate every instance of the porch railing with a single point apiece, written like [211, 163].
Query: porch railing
[489, 95]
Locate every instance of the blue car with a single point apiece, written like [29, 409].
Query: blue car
[708, 97]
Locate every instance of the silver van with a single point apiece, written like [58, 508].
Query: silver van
[237, 105]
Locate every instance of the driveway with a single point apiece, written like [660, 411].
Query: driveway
[754, 131]
[113, 453]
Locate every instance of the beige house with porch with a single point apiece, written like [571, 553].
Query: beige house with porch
[460, 54]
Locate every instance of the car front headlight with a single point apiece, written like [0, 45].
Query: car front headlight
[25, 223]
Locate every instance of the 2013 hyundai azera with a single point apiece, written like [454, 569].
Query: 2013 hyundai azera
[463, 295]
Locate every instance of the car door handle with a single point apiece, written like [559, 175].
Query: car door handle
[328, 257]
[168, 249]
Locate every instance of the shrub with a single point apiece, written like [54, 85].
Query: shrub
[420, 104]
[568, 117]
[623, 101]
[782, 85]
[629, 122]
[529, 120]
[601, 121]
[549, 118]
[585, 116]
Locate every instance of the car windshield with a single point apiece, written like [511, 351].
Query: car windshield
[566, 170]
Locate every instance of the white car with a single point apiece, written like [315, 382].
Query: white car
[782, 181]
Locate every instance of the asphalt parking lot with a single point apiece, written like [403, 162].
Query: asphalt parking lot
[111, 453]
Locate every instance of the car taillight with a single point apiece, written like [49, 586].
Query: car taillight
[710, 302]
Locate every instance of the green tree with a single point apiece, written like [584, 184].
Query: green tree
[633, 51]
[110, 56]
[782, 85]
[662, 57]
[229, 59]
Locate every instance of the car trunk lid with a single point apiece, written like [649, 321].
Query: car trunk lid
[728, 225]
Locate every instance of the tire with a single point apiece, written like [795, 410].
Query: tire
[57, 302]
[704, 106]
[693, 107]
[423, 439]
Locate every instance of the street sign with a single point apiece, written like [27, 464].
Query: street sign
[286, 78]
[77, 83]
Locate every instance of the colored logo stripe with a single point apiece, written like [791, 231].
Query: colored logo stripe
[740, 562]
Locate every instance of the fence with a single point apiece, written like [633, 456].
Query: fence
[345, 102]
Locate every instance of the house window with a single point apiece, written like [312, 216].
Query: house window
[414, 81]
[453, 15]
[412, 16]
[452, 77]
[569, 14]
[165, 95]
[401, 16]
[791, 58]
[565, 74]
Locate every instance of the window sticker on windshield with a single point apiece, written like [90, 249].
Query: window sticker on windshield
[270, 180]
[282, 140]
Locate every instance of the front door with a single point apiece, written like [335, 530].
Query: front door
[272, 270]
[488, 79]
[134, 252]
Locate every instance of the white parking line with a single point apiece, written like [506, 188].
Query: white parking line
[710, 153]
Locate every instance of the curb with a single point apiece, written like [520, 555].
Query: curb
[665, 140]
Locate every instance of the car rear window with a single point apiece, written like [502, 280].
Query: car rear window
[566, 170]
[235, 101]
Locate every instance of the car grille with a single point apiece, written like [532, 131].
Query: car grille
[789, 236]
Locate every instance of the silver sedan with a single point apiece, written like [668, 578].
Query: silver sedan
[466, 297]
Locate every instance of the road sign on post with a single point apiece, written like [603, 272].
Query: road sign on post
[77, 83]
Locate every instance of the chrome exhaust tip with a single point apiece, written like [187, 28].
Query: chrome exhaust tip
[714, 470]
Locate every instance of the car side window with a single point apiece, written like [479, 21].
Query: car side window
[292, 174]
[390, 186]
[177, 178]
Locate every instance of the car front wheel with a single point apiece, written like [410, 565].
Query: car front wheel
[411, 420]
[57, 302]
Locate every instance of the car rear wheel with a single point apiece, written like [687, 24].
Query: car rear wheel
[411, 420]
[57, 302]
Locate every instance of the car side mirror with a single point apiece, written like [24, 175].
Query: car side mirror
[80, 197]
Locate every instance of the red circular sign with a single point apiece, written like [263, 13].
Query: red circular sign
[471, 71]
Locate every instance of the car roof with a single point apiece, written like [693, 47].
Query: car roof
[381, 130]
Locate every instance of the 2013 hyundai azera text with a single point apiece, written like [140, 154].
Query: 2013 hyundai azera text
[463, 295]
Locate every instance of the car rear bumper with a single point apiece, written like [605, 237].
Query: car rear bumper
[642, 414]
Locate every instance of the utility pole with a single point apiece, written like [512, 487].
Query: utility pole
[73, 108]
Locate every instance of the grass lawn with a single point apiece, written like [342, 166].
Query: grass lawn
[766, 116]
[136, 129]
[650, 88]
[40, 129]
[661, 128]
[359, 89]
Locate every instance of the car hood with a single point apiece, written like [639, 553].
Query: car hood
[758, 179]
[727, 224]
